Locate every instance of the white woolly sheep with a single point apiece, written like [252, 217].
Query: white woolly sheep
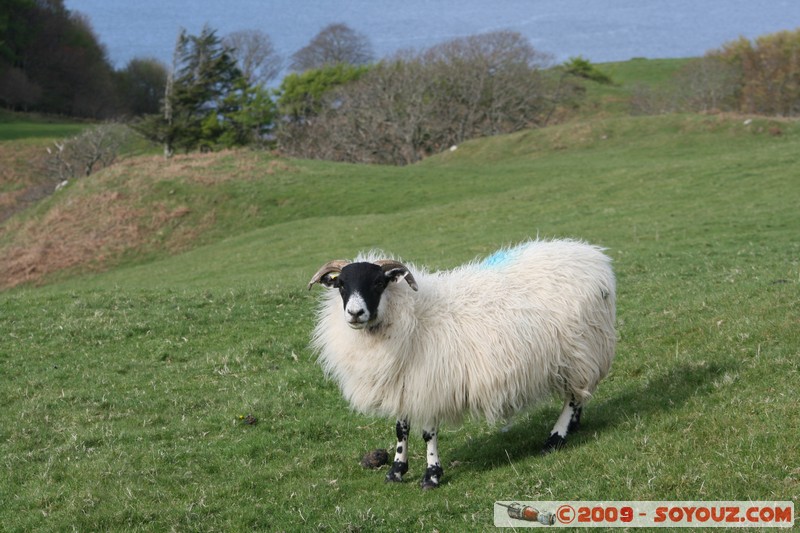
[487, 338]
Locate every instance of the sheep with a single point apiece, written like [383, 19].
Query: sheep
[486, 339]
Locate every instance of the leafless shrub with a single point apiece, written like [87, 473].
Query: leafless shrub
[385, 117]
[487, 84]
[420, 103]
[642, 100]
[94, 149]
[706, 84]
[702, 85]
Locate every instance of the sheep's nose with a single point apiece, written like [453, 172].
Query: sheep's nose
[355, 314]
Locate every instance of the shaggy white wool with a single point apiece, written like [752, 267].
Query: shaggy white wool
[486, 338]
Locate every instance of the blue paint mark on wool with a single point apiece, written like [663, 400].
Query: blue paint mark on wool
[500, 258]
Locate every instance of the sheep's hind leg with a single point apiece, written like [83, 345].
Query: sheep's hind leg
[400, 464]
[567, 422]
[434, 472]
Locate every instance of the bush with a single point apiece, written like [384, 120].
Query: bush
[769, 73]
[706, 84]
[760, 77]
[414, 104]
[583, 68]
[300, 96]
[92, 150]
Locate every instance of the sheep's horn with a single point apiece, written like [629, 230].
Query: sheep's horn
[391, 264]
[331, 266]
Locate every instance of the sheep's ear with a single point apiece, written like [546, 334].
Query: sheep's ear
[330, 280]
[328, 273]
[395, 271]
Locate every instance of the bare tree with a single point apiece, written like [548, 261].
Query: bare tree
[488, 84]
[255, 55]
[168, 133]
[385, 117]
[336, 43]
[93, 149]
[421, 103]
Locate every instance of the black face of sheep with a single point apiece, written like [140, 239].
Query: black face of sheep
[361, 286]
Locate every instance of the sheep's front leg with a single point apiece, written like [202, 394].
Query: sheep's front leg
[434, 472]
[567, 422]
[400, 464]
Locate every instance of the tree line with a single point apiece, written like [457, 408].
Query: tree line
[338, 102]
[50, 61]
[416, 103]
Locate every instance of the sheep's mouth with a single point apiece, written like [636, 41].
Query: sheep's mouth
[358, 324]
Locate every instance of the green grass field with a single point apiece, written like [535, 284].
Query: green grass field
[16, 126]
[122, 392]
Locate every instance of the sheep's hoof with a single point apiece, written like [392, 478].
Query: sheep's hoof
[396, 473]
[431, 478]
[554, 443]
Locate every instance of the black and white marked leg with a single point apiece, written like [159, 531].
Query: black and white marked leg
[400, 464]
[575, 419]
[434, 472]
[568, 421]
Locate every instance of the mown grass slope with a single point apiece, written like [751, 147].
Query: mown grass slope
[16, 126]
[123, 392]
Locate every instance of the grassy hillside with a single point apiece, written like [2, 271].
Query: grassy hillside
[24, 139]
[15, 126]
[628, 78]
[147, 208]
[26, 174]
[124, 392]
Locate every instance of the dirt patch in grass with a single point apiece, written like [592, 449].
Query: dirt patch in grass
[76, 233]
[111, 214]
[89, 233]
[83, 230]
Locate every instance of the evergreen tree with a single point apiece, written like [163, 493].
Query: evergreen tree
[207, 74]
[208, 102]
